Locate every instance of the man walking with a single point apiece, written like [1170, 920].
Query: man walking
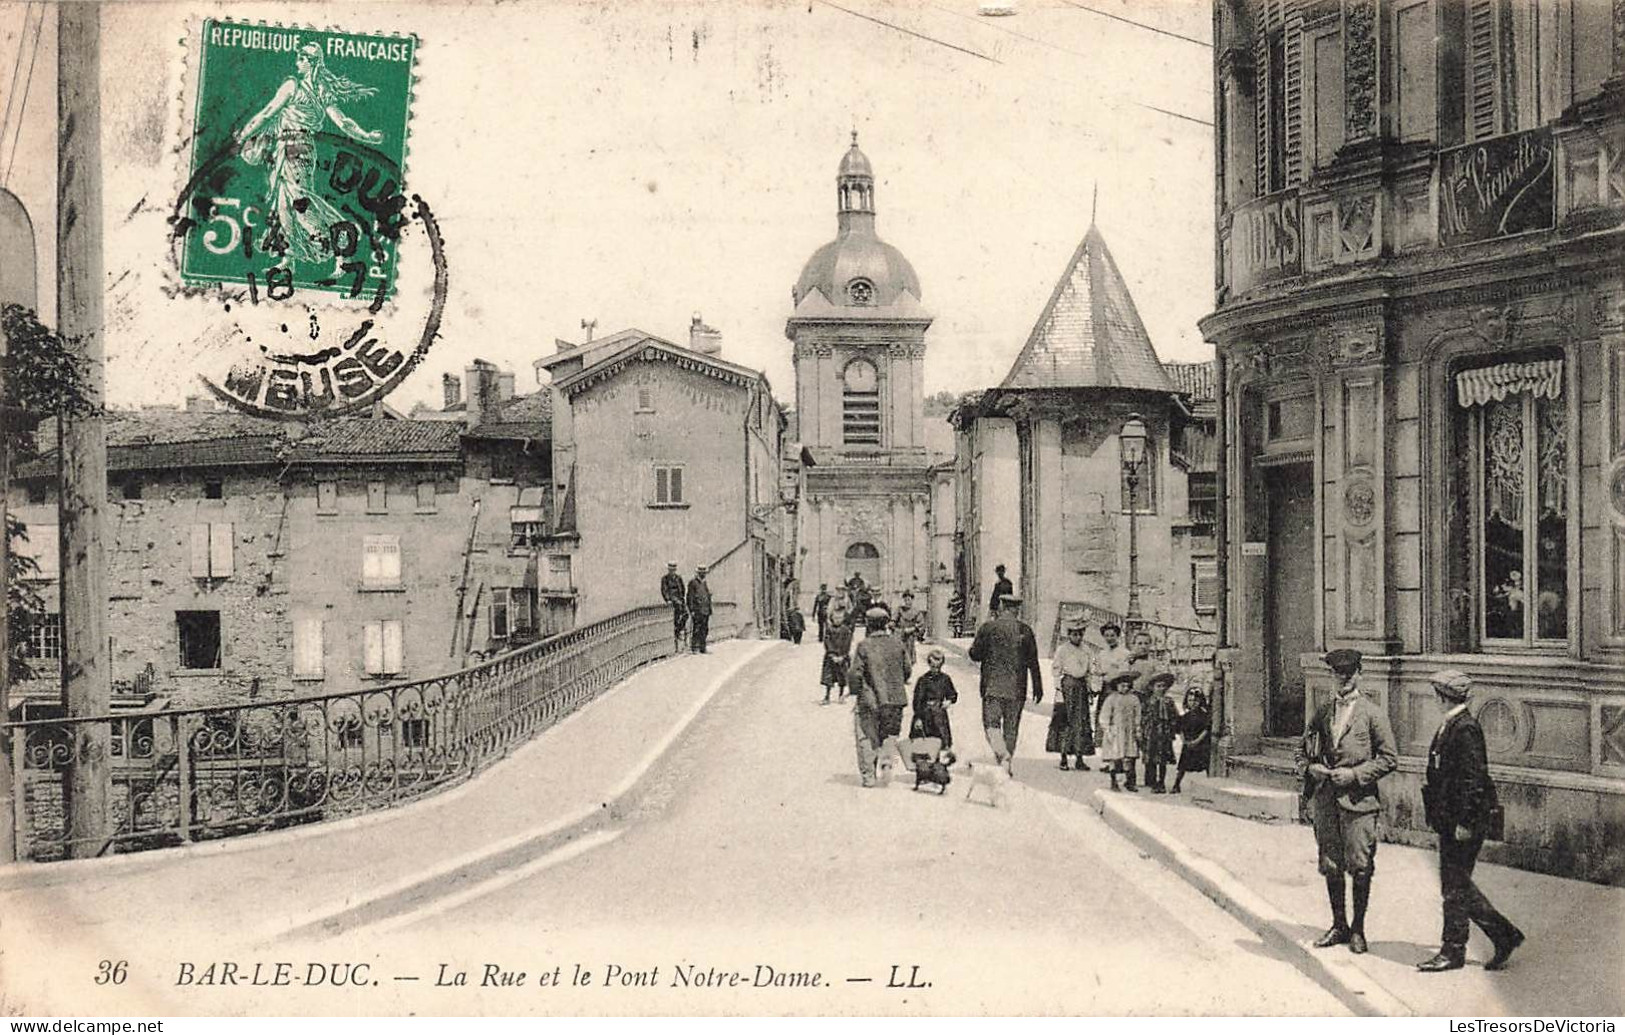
[1458, 799]
[672, 592]
[837, 652]
[1008, 653]
[910, 626]
[1002, 588]
[1347, 748]
[821, 609]
[699, 610]
[1072, 663]
[879, 680]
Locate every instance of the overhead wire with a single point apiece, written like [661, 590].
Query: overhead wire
[1139, 25]
[16, 70]
[22, 107]
[910, 32]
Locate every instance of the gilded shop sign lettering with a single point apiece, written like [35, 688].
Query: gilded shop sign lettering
[1497, 188]
[1266, 241]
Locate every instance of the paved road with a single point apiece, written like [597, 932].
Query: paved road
[752, 860]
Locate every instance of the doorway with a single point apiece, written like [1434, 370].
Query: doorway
[1290, 585]
[863, 559]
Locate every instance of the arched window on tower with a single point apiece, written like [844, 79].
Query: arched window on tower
[860, 404]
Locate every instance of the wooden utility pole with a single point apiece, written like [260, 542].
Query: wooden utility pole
[19, 284]
[82, 482]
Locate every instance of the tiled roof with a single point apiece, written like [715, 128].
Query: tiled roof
[379, 439]
[152, 425]
[1194, 379]
[537, 406]
[1089, 334]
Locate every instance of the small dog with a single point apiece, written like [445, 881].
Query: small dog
[995, 778]
[928, 770]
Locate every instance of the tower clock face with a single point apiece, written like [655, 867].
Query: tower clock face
[861, 376]
[861, 292]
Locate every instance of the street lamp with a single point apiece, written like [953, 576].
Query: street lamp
[1132, 442]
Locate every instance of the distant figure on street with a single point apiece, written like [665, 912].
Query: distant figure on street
[956, 614]
[910, 625]
[1071, 670]
[1347, 748]
[673, 592]
[1008, 653]
[1459, 801]
[821, 609]
[1156, 728]
[879, 680]
[1002, 587]
[1120, 726]
[796, 623]
[1113, 658]
[933, 692]
[858, 596]
[699, 610]
[837, 652]
[1195, 742]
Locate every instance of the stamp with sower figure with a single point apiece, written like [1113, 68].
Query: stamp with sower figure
[296, 200]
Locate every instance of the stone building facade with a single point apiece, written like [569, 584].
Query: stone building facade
[665, 453]
[1420, 321]
[1041, 483]
[858, 330]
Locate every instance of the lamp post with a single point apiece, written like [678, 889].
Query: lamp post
[1132, 442]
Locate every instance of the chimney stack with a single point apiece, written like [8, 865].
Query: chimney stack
[505, 385]
[483, 401]
[703, 339]
[451, 388]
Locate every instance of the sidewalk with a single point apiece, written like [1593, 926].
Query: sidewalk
[328, 877]
[1265, 875]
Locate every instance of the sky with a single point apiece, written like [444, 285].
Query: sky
[633, 163]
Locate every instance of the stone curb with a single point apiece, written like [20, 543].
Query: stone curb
[481, 864]
[1335, 972]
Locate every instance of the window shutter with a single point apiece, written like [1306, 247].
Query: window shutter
[1205, 586]
[307, 647]
[373, 647]
[661, 483]
[200, 551]
[381, 560]
[499, 613]
[220, 549]
[677, 485]
[392, 647]
[1293, 150]
[1481, 69]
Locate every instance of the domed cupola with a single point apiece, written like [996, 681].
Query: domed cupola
[857, 269]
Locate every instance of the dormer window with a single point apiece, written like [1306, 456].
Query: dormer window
[861, 292]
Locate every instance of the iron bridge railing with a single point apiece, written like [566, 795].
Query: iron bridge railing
[192, 774]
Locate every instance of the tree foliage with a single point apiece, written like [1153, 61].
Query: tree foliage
[42, 378]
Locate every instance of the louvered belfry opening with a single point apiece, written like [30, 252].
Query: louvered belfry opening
[860, 404]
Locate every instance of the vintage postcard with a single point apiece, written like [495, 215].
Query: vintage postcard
[832, 508]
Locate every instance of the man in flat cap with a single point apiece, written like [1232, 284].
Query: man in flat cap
[1008, 653]
[673, 592]
[1458, 799]
[1346, 749]
[879, 681]
[699, 610]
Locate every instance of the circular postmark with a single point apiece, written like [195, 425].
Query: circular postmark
[321, 312]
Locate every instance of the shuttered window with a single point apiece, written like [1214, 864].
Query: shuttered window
[668, 486]
[381, 561]
[212, 550]
[860, 404]
[308, 652]
[1205, 586]
[381, 645]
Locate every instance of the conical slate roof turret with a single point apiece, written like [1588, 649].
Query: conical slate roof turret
[1089, 334]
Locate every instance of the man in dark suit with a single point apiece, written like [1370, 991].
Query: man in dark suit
[1459, 801]
[1008, 653]
[1002, 588]
[1347, 748]
[699, 611]
[821, 609]
[672, 592]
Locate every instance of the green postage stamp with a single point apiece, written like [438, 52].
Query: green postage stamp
[298, 151]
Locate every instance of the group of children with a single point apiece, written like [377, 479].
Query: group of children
[1138, 722]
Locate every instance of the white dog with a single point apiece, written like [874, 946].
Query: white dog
[995, 778]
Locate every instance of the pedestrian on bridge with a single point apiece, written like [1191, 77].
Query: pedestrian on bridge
[1120, 726]
[699, 610]
[1113, 658]
[1156, 728]
[879, 679]
[910, 625]
[674, 593]
[1072, 662]
[837, 652]
[934, 691]
[821, 609]
[1008, 653]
